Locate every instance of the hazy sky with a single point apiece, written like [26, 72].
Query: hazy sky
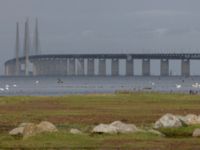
[97, 26]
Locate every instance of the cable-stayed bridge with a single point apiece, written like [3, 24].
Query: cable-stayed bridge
[37, 64]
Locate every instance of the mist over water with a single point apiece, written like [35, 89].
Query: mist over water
[58, 86]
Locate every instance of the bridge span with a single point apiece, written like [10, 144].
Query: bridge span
[76, 64]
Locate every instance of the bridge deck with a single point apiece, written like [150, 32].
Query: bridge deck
[110, 56]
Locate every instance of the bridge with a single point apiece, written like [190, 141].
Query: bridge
[76, 64]
[86, 64]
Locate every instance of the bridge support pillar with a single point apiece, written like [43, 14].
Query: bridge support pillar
[34, 69]
[38, 68]
[146, 67]
[90, 67]
[71, 67]
[8, 69]
[185, 67]
[129, 67]
[80, 66]
[11, 69]
[164, 67]
[102, 67]
[64, 66]
[115, 67]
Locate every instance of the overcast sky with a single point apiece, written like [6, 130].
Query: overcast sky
[97, 26]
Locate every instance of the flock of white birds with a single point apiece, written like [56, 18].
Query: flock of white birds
[7, 86]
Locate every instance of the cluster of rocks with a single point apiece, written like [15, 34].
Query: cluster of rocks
[30, 129]
[166, 121]
[174, 121]
[115, 127]
[170, 120]
[120, 127]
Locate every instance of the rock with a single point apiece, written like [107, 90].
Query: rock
[17, 131]
[123, 127]
[115, 127]
[168, 121]
[191, 119]
[196, 133]
[104, 128]
[46, 126]
[155, 132]
[75, 131]
[29, 130]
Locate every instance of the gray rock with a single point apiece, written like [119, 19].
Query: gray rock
[75, 131]
[115, 127]
[123, 127]
[191, 119]
[104, 128]
[168, 121]
[46, 126]
[29, 130]
[17, 131]
[32, 129]
[196, 133]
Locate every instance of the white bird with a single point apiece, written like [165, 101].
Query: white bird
[178, 86]
[196, 85]
[1, 89]
[7, 88]
[153, 83]
[37, 82]
[14, 85]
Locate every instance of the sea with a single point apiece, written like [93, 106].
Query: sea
[62, 85]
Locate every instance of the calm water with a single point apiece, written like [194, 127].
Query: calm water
[84, 85]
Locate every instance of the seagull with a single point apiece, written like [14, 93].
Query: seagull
[178, 86]
[14, 85]
[1, 89]
[37, 82]
[196, 85]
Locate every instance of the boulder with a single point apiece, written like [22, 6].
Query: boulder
[123, 127]
[168, 121]
[17, 131]
[46, 126]
[191, 119]
[104, 128]
[75, 131]
[196, 133]
[29, 130]
[116, 127]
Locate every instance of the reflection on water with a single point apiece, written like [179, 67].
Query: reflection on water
[80, 85]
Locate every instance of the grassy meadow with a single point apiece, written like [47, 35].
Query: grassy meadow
[85, 111]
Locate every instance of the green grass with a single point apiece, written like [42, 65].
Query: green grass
[179, 132]
[85, 111]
